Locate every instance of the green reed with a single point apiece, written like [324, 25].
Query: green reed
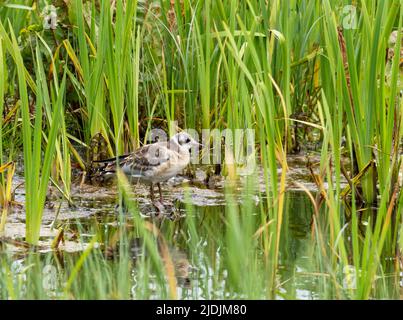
[274, 67]
[37, 171]
[372, 126]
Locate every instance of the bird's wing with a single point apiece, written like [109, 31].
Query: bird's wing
[141, 161]
[147, 158]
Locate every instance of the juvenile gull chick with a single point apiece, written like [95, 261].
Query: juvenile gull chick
[154, 163]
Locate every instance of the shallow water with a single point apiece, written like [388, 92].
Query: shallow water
[204, 272]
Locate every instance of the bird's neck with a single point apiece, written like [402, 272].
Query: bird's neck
[174, 146]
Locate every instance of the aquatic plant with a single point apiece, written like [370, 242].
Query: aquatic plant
[318, 77]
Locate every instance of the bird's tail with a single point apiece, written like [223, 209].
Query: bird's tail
[112, 160]
[101, 171]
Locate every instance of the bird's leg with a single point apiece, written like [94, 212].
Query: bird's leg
[159, 189]
[152, 192]
[157, 204]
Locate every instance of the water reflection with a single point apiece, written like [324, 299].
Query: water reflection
[200, 259]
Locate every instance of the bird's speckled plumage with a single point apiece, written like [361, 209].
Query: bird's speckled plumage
[153, 163]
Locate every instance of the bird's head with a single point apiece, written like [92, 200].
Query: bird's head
[185, 141]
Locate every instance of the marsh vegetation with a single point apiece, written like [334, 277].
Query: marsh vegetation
[313, 211]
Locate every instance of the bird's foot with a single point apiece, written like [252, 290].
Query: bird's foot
[164, 208]
[164, 202]
[159, 206]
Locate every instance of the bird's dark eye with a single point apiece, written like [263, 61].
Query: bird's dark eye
[187, 140]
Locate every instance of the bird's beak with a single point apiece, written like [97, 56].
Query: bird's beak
[197, 144]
